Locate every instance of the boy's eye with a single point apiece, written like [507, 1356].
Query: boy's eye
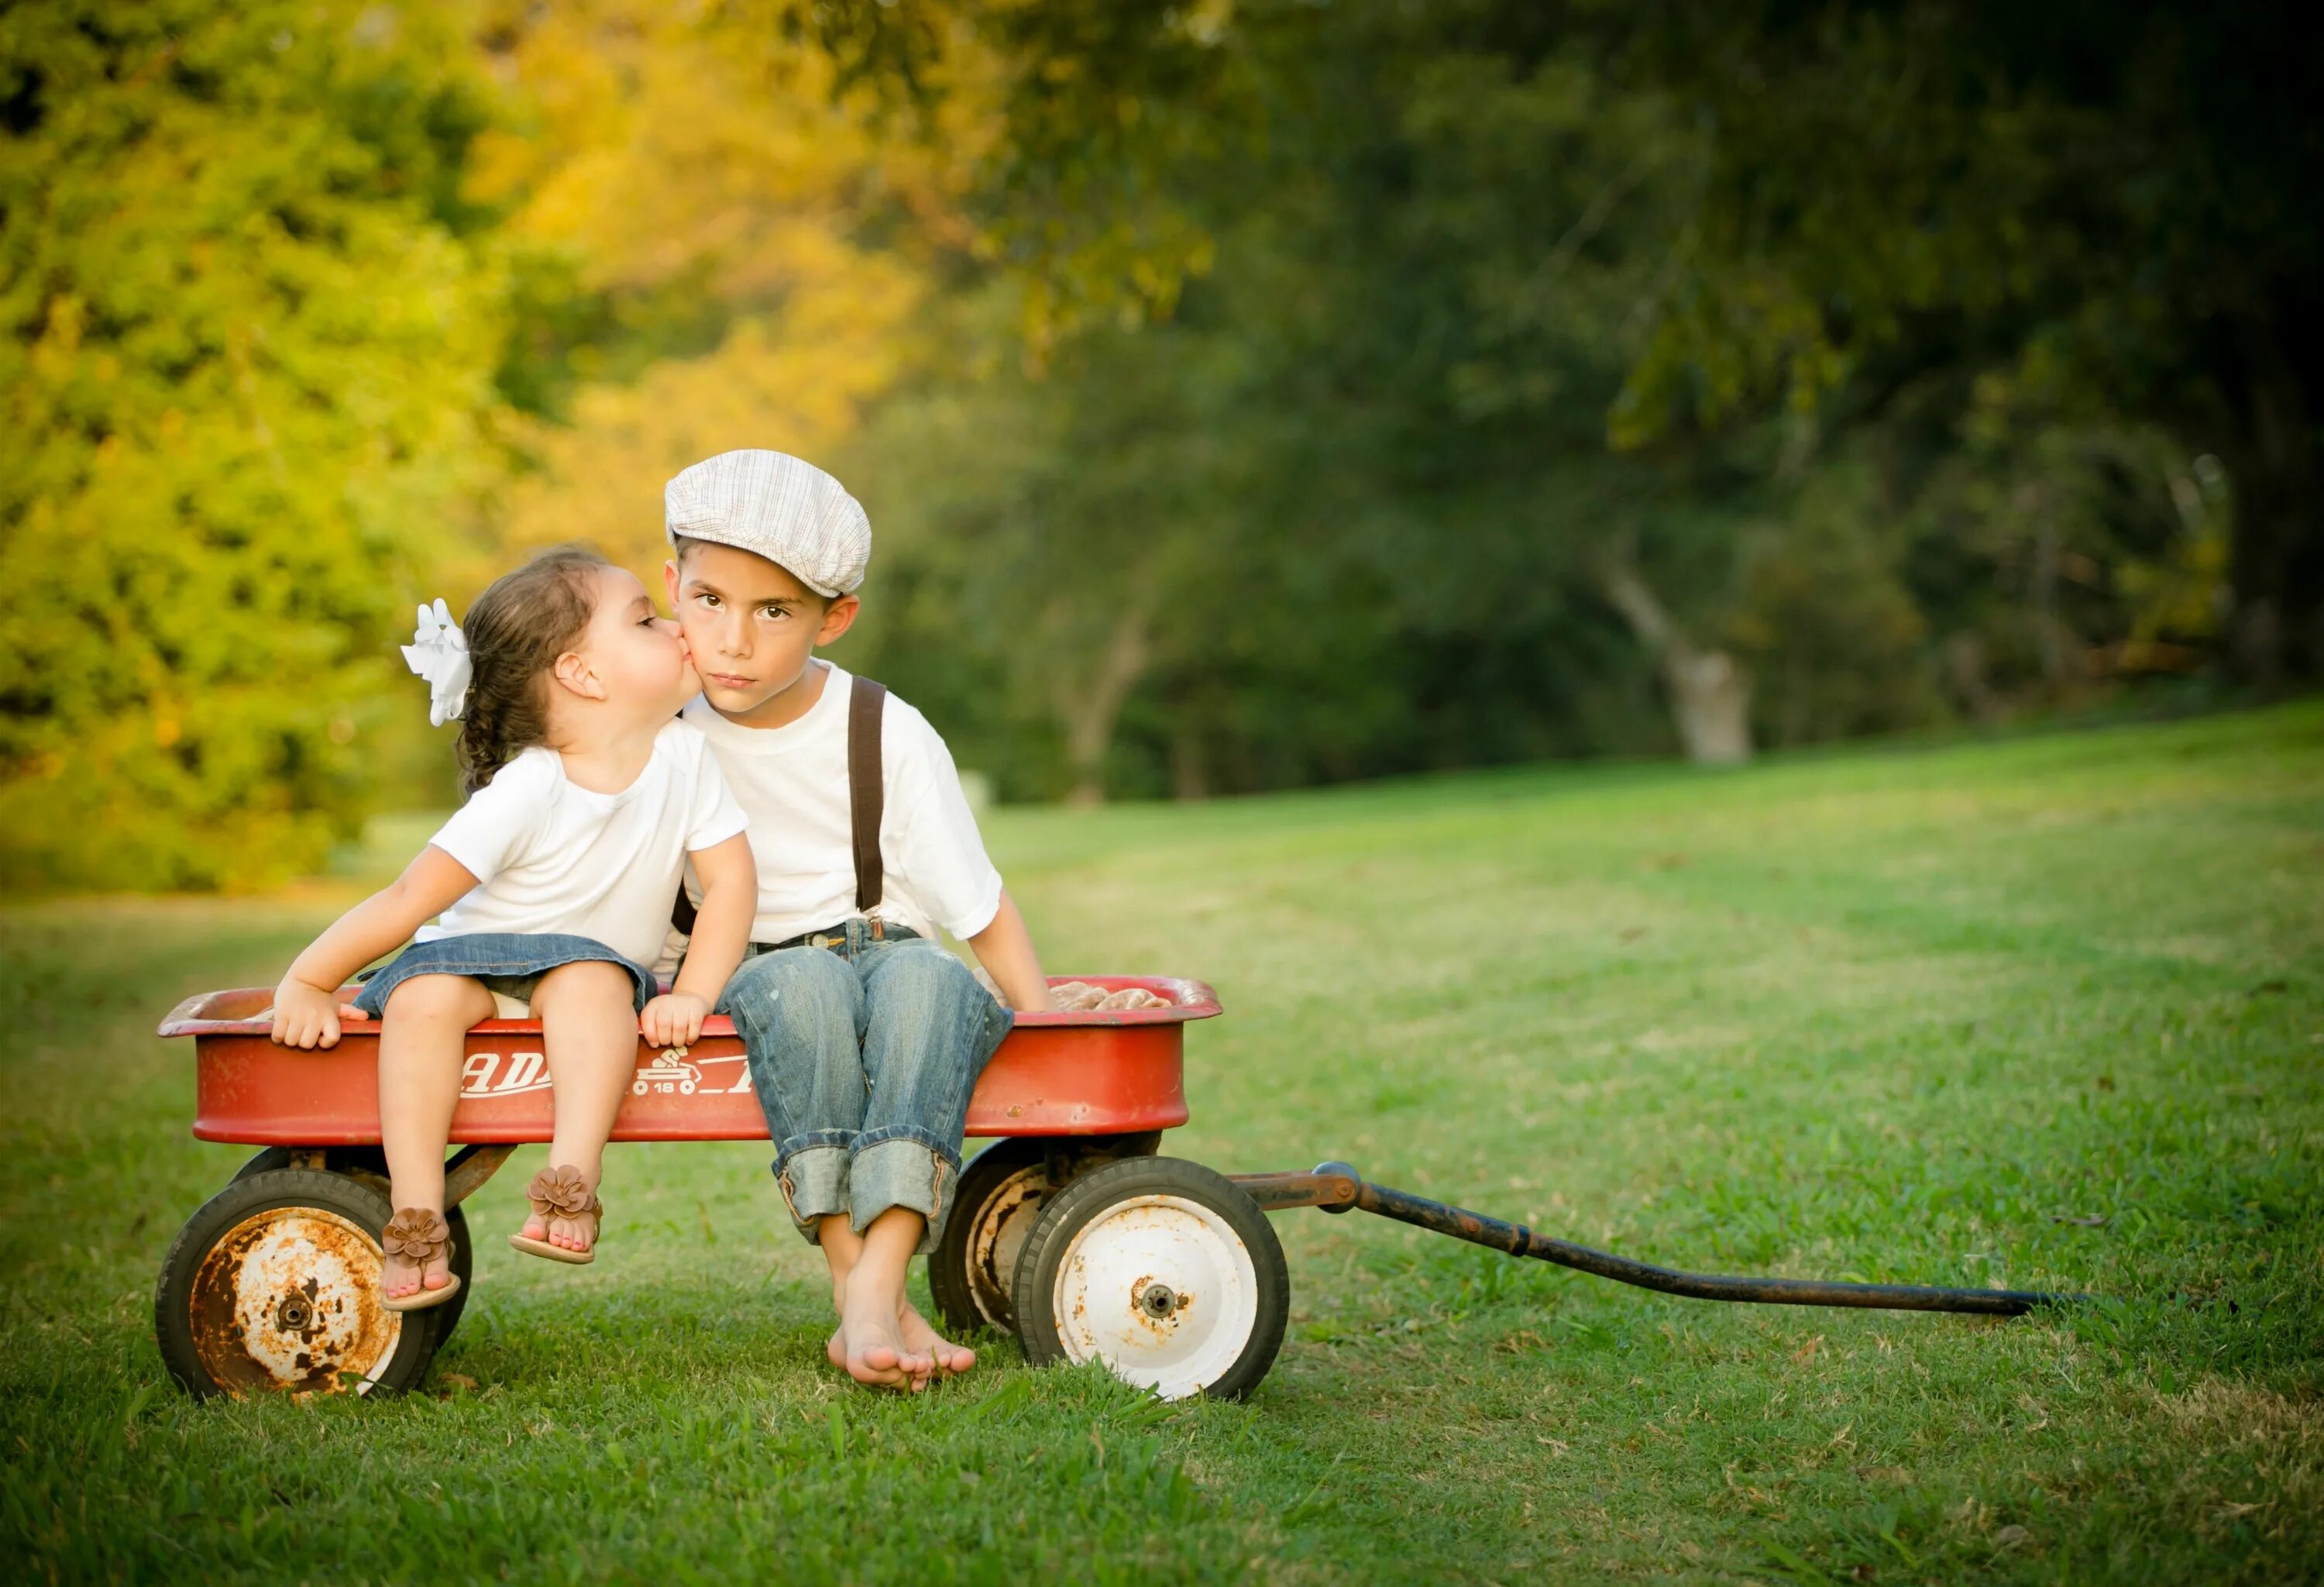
[773, 612]
[706, 598]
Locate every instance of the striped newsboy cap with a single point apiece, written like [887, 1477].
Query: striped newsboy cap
[781, 508]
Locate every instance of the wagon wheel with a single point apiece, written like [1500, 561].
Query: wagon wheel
[274, 1286]
[994, 1207]
[368, 1166]
[1160, 1268]
[974, 1267]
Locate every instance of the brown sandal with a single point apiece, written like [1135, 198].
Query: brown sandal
[558, 1192]
[421, 1235]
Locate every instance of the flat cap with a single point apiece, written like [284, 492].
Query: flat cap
[779, 507]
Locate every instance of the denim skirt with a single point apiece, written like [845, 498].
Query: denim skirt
[507, 963]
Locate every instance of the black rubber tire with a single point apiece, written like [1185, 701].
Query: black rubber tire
[1091, 1197]
[367, 1166]
[972, 1290]
[398, 1360]
[974, 1277]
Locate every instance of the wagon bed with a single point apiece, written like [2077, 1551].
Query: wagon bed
[1114, 1072]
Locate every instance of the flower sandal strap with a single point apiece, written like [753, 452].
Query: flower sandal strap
[559, 1192]
[418, 1235]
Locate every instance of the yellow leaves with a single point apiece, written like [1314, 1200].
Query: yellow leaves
[659, 148]
[669, 156]
[796, 384]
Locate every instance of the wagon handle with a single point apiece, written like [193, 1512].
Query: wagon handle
[1336, 1187]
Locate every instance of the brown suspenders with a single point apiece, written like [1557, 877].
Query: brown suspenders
[867, 793]
[867, 800]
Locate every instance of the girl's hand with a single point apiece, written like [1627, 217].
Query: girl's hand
[308, 1016]
[674, 1019]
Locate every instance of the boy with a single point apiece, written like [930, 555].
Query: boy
[865, 1035]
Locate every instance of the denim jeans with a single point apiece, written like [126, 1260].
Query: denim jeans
[863, 1055]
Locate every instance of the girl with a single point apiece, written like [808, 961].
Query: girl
[554, 883]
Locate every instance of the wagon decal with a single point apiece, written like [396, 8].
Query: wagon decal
[512, 1074]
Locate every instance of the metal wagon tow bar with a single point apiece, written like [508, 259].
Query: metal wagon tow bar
[1336, 1187]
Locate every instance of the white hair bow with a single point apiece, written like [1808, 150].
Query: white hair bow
[438, 652]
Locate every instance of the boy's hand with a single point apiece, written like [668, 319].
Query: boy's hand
[308, 1016]
[674, 1019]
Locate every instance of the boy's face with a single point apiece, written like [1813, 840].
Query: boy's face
[750, 625]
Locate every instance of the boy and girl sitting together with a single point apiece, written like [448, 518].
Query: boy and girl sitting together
[621, 766]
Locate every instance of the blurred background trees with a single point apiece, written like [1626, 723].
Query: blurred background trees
[1246, 394]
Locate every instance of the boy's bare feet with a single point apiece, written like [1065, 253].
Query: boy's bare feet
[950, 1360]
[871, 1346]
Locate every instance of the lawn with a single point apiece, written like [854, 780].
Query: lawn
[2042, 1013]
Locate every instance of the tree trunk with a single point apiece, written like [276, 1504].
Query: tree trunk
[1090, 714]
[1709, 692]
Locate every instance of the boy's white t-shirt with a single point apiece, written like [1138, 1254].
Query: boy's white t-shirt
[792, 782]
[551, 856]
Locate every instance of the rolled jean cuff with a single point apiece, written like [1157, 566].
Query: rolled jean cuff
[902, 1167]
[813, 1174]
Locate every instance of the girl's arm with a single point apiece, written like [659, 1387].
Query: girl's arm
[1005, 950]
[307, 1007]
[722, 931]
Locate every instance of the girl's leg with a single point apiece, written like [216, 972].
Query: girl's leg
[419, 1045]
[589, 1028]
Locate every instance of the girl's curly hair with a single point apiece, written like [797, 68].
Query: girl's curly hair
[516, 630]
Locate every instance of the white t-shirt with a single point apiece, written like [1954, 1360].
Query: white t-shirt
[551, 856]
[792, 782]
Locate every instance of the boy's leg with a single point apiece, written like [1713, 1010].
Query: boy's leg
[588, 1018]
[800, 1014]
[928, 1031]
[420, 1044]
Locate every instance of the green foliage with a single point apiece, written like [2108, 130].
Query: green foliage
[1515, 320]
[2042, 1012]
[246, 350]
[1248, 395]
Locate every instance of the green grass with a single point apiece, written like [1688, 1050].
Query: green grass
[2042, 1013]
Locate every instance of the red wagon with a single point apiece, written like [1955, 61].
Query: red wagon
[274, 1283]
[1069, 1231]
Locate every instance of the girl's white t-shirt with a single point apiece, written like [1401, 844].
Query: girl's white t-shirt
[551, 856]
[792, 782]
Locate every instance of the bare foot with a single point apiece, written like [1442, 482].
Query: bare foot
[950, 1360]
[871, 1347]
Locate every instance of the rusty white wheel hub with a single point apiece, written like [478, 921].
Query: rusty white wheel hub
[1162, 1290]
[289, 1300]
[998, 1238]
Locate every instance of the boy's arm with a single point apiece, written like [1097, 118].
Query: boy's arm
[306, 1004]
[722, 931]
[1005, 950]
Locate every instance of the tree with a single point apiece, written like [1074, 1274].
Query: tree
[728, 240]
[247, 352]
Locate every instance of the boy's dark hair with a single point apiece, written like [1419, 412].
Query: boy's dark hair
[516, 630]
